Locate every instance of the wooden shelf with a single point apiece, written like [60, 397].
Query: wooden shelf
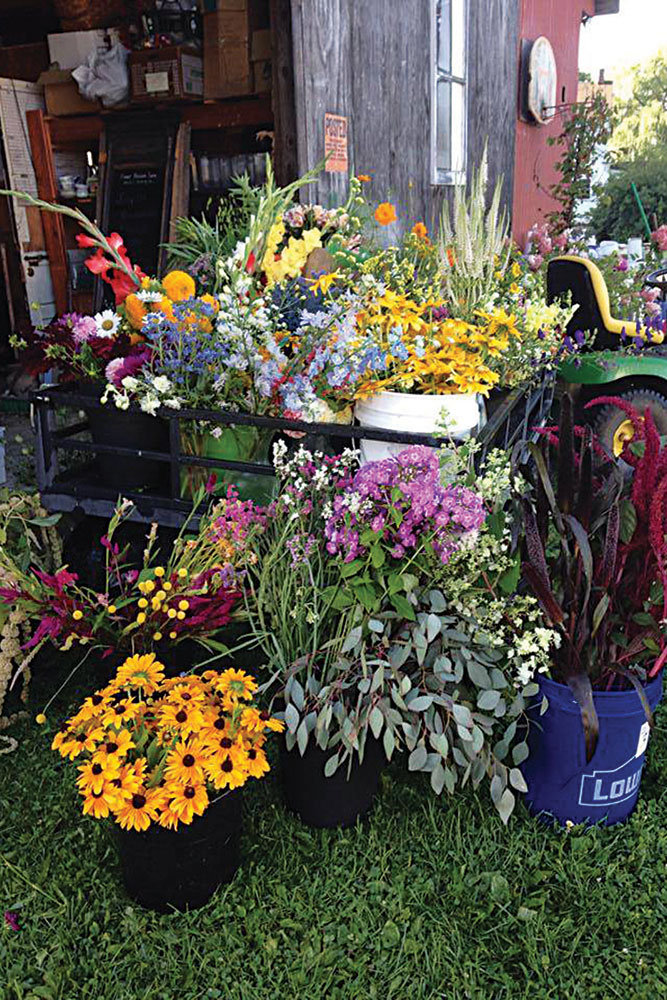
[205, 115]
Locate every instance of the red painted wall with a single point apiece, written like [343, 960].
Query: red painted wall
[560, 22]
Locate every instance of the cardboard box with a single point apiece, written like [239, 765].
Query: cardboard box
[260, 55]
[61, 94]
[229, 33]
[24, 62]
[260, 48]
[71, 48]
[171, 73]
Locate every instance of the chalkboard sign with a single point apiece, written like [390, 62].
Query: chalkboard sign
[136, 186]
[135, 211]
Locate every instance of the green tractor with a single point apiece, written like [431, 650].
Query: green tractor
[637, 375]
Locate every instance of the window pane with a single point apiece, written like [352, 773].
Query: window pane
[450, 132]
[443, 154]
[450, 26]
[444, 35]
[458, 37]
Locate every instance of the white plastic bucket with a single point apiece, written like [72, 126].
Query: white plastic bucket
[463, 414]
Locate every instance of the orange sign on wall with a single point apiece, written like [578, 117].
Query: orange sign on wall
[335, 143]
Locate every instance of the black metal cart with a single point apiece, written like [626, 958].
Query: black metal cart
[77, 488]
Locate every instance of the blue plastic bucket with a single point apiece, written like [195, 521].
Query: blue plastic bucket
[561, 784]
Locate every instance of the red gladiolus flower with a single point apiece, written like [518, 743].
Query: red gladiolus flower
[115, 240]
[85, 241]
[98, 263]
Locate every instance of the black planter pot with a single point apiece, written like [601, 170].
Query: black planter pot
[330, 802]
[129, 429]
[181, 869]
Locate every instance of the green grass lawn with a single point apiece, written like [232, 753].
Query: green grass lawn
[430, 898]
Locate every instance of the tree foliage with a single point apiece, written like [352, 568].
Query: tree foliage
[616, 215]
[642, 118]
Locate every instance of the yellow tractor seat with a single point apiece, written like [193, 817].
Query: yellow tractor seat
[584, 280]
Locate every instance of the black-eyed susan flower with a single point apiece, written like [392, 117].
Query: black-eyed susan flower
[184, 719]
[143, 672]
[93, 706]
[236, 684]
[137, 812]
[167, 818]
[256, 763]
[197, 737]
[100, 804]
[187, 800]
[226, 774]
[94, 775]
[119, 711]
[185, 762]
[117, 743]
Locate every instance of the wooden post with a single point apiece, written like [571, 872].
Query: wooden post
[180, 187]
[47, 189]
[285, 159]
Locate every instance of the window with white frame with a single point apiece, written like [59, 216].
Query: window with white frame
[449, 95]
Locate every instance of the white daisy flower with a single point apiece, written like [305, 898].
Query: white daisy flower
[107, 323]
[147, 296]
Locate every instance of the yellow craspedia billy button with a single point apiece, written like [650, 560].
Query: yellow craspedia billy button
[77, 615]
[40, 719]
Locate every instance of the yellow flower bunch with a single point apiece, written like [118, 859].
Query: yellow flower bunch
[152, 749]
[423, 354]
[281, 262]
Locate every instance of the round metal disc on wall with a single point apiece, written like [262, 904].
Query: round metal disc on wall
[542, 80]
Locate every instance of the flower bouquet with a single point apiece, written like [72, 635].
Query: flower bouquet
[154, 605]
[165, 759]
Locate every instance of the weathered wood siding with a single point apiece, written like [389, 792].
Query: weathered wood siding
[371, 61]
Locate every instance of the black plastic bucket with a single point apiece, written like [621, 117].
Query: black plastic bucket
[181, 869]
[330, 802]
[129, 429]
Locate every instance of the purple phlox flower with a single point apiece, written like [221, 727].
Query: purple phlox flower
[402, 499]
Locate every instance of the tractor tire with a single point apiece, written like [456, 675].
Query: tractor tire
[611, 425]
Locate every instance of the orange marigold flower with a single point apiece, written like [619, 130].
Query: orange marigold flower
[420, 230]
[179, 286]
[385, 213]
[135, 311]
[364, 178]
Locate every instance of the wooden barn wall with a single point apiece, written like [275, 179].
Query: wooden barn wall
[371, 62]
